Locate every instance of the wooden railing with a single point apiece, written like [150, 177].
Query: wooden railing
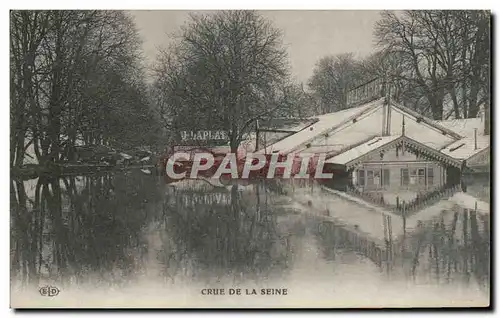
[366, 92]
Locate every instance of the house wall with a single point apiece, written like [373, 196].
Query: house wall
[394, 161]
[480, 159]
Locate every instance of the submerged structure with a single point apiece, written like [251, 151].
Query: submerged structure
[379, 146]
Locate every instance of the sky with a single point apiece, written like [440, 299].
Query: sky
[307, 35]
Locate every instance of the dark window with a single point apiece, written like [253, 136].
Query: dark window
[421, 176]
[373, 178]
[386, 177]
[377, 177]
[417, 176]
[413, 176]
[405, 179]
[430, 176]
[369, 177]
[361, 177]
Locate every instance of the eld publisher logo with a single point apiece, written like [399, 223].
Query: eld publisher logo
[49, 291]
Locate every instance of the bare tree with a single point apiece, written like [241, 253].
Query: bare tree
[75, 75]
[298, 103]
[28, 29]
[475, 61]
[333, 77]
[403, 35]
[227, 70]
[444, 54]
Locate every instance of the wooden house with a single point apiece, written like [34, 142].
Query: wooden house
[382, 146]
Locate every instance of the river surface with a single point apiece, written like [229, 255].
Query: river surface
[130, 240]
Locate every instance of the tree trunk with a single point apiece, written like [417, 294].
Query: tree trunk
[436, 107]
[473, 102]
[456, 106]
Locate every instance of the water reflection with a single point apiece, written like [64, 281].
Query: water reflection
[73, 228]
[238, 238]
[452, 247]
[116, 229]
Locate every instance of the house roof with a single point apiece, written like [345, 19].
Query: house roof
[350, 131]
[324, 124]
[361, 150]
[336, 132]
[421, 128]
[464, 127]
[432, 123]
[465, 148]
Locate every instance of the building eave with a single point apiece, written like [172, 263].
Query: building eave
[410, 143]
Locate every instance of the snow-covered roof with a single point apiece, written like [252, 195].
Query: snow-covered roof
[464, 127]
[361, 150]
[428, 122]
[421, 129]
[465, 148]
[324, 124]
[354, 128]
[287, 124]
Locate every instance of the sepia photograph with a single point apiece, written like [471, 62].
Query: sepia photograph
[250, 159]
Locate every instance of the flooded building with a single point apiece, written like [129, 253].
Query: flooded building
[380, 145]
[396, 172]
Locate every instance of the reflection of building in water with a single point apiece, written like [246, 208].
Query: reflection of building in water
[447, 235]
[450, 244]
[191, 192]
[191, 198]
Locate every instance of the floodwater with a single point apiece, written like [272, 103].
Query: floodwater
[129, 240]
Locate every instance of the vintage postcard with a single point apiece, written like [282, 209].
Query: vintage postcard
[250, 159]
